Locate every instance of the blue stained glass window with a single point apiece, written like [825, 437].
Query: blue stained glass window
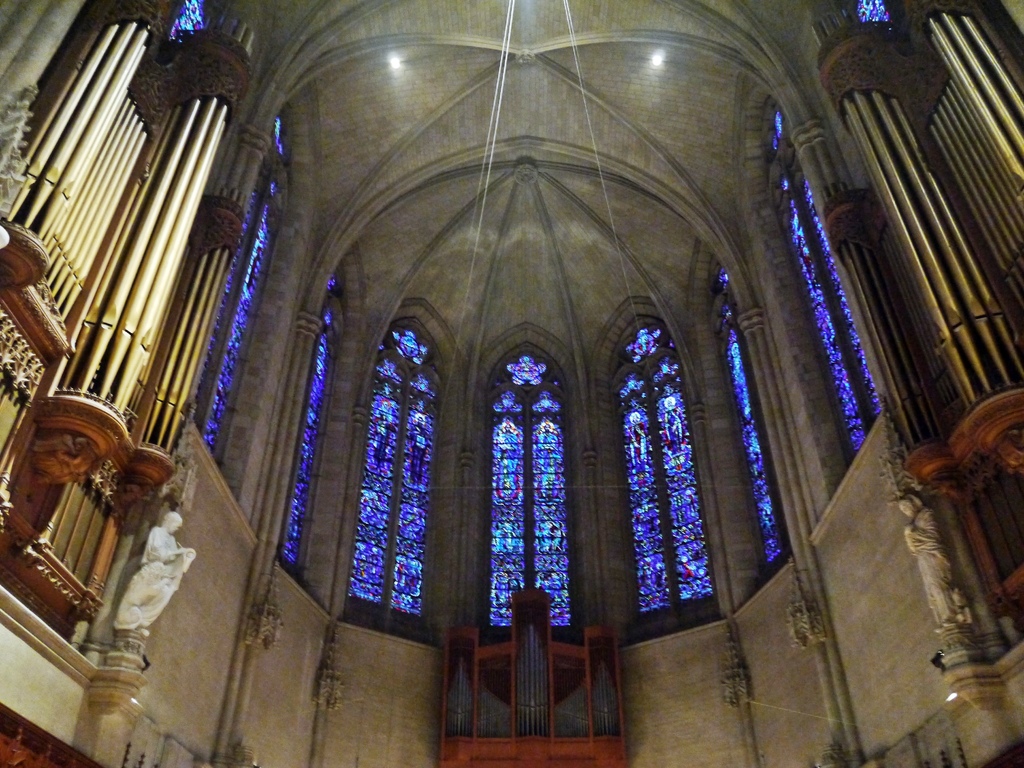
[872, 10]
[645, 344]
[655, 431]
[526, 371]
[410, 346]
[777, 130]
[246, 306]
[190, 18]
[826, 328]
[508, 517]
[837, 288]
[277, 138]
[751, 438]
[550, 534]
[395, 494]
[307, 453]
[529, 520]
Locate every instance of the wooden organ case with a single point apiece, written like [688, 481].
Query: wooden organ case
[532, 701]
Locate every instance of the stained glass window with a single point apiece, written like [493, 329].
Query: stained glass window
[277, 136]
[872, 10]
[395, 495]
[661, 475]
[844, 307]
[189, 19]
[770, 538]
[307, 451]
[236, 334]
[826, 328]
[777, 130]
[529, 534]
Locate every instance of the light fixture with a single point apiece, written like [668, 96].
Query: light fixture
[951, 696]
[658, 58]
[396, 63]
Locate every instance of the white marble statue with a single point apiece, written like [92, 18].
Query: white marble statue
[922, 535]
[163, 565]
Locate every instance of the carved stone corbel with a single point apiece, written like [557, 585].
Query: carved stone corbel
[735, 674]
[265, 619]
[806, 627]
[329, 683]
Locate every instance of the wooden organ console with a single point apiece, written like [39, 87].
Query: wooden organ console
[532, 701]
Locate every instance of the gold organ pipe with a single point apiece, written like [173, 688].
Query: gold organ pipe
[908, 228]
[122, 260]
[987, 315]
[81, 158]
[51, 175]
[978, 195]
[999, 102]
[149, 301]
[42, 146]
[968, 71]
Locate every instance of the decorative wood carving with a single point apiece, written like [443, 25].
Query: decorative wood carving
[75, 433]
[212, 63]
[871, 57]
[148, 91]
[851, 216]
[29, 746]
[218, 224]
[532, 701]
[19, 364]
[24, 260]
[152, 13]
[150, 467]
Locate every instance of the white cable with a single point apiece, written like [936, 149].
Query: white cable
[597, 159]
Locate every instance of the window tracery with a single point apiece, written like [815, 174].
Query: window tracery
[847, 364]
[529, 519]
[872, 10]
[672, 560]
[395, 491]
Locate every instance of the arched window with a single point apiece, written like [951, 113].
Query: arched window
[318, 379]
[388, 561]
[744, 397]
[847, 364]
[244, 282]
[872, 10]
[529, 526]
[672, 563]
[189, 19]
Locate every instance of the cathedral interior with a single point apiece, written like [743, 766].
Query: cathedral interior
[581, 384]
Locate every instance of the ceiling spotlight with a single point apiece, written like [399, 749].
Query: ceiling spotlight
[658, 59]
[396, 63]
[951, 696]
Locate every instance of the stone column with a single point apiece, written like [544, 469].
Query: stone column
[270, 507]
[112, 705]
[797, 508]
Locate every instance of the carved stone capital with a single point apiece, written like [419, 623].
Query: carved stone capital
[253, 138]
[212, 63]
[871, 57]
[23, 261]
[851, 217]
[308, 324]
[75, 433]
[751, 320]
[218, 224]
[806, 134]
[129, 650]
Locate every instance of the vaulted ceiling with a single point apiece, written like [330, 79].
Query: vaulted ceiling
[653, 155]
